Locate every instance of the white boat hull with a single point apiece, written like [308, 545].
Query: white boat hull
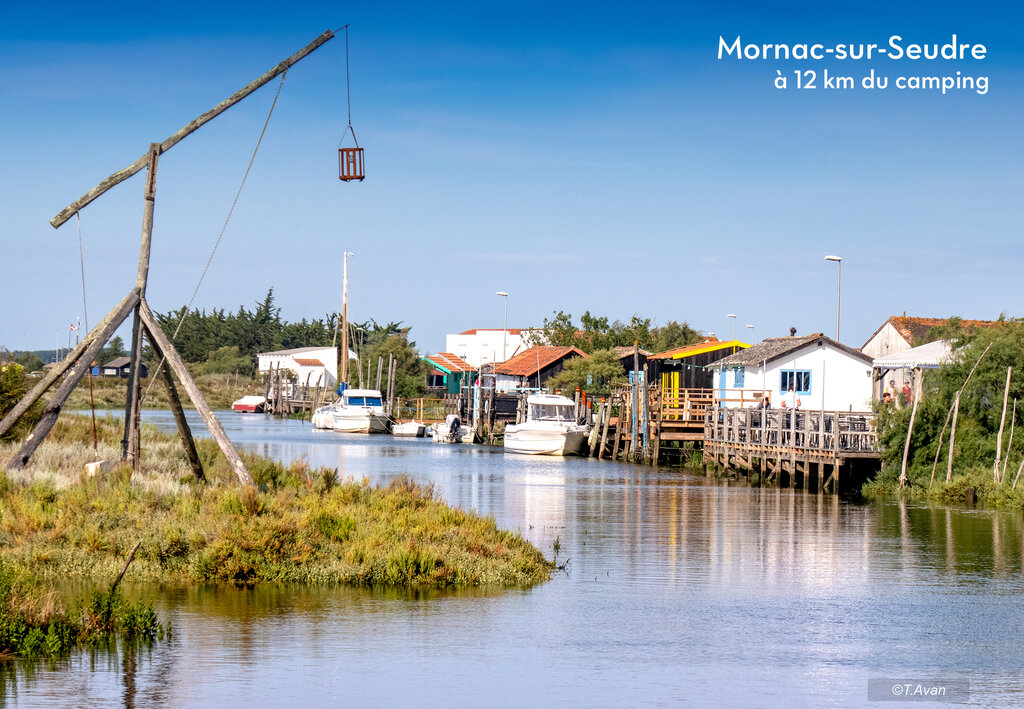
[359, 422]
[409, 429]
[535, 441]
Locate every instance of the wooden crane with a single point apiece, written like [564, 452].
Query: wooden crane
[78, 360]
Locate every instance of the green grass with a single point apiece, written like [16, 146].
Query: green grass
[300, 524]
[35, 623]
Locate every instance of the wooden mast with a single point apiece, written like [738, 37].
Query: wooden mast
[344, 320]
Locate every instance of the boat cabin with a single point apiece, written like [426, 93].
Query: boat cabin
[550, 407]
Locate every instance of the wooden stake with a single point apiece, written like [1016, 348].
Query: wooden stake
[176, 363]
[1002, 422]
[184, 432]
[52, 411]
[906, 446]
[1009, 446]
[952, 437]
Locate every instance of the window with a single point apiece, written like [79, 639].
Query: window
[799, 378]
[738, 376]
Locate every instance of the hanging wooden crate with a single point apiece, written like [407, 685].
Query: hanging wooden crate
[350, 164]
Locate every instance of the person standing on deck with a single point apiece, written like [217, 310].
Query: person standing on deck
[791, 401]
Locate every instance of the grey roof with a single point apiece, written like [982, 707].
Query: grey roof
[119, 362]
[772, 348]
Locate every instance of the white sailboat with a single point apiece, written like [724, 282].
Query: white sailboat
[550, 428]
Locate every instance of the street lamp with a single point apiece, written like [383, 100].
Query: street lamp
[751, 333]
[733, 316]
[504, 329]
[839, 276]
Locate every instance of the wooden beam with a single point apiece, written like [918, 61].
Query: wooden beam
[52, 411]
[193, 125]
[46, 382]
[184, 432]
[178, 365]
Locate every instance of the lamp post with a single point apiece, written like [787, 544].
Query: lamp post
[839, 276]
[751, 327]
[504, 329]
[733, 316]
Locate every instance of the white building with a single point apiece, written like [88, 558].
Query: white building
[483, 346]
[311, 365]
[824, 374]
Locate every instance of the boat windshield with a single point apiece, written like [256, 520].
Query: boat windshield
[363, 401]
[552, 412]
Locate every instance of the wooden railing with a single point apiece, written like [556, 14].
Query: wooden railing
[686, 405]
[743, 398]
[838, 432]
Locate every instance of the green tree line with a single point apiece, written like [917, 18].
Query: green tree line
[978, 419]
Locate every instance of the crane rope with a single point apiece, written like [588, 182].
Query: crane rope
[223, 228]
[85, 315]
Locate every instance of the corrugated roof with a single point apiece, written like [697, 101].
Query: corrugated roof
[448, 362]
[915, 330]
[529, 362]
[627, 351]
[709, 345]
[774, 347]
[119, 362]
[308, 362]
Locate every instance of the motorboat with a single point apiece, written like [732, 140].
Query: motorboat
[409, 429]
[550, 428]
[452, 430]
[359, 411]
[250, 404]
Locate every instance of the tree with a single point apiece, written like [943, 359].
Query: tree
[599, 373]
[113, 350]
[228, 360]
[29, 361]
[13, 386]
[410, 373]
[597, 333]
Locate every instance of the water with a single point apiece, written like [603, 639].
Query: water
[678, 591]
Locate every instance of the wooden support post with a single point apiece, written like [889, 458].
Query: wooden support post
[619, 423]
[604, 429]
[131, 441]
[184, 432]
[53, 408]
[46, 382]
[179, 368]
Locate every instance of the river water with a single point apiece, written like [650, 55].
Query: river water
[680, 590]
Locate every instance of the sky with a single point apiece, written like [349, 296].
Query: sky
[580, 156]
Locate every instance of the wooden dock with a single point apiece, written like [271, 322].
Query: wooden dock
[801, 445]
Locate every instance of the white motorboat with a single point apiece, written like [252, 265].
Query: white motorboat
[452, 430]
[359, 411]
[550, 428]
[409, 429]
[250, 404]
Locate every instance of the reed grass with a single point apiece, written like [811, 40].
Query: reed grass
[300, 524]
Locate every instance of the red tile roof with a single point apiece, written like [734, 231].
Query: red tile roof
[511, 330]
[529, 362]
[309, 362]
[450, 362]
[915, 330]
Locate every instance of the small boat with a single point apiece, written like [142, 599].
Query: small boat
[451, 430]
[250, 404]
[359, 411]
[550, 428]
[409, 429]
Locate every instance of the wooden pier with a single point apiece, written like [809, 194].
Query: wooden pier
[802, 445]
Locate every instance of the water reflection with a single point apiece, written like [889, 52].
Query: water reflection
[678, 589]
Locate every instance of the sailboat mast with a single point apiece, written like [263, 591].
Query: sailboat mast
[344, 319]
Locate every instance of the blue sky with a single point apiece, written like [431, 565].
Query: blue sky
[579, 156]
